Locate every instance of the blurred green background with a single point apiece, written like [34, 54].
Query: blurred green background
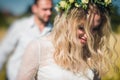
[7, 17]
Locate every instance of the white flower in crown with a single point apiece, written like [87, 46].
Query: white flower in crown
[71, 1]
[77, 5]
[57, 9]
[107, 1]
[63, 4]
[84, 1]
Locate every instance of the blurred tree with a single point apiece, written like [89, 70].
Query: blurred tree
[3, 22]
[115, 18]
[6, 19]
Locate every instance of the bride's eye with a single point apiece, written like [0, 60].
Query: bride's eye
[80, 27]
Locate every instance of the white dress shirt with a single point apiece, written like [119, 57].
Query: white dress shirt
[8, 44]
[25, 37]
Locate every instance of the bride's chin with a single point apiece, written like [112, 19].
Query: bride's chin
[83, 41]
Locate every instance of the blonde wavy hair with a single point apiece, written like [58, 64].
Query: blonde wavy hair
[69, 52]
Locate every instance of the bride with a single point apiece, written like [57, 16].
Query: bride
[76, 49]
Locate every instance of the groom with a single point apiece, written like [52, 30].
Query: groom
[22, 33]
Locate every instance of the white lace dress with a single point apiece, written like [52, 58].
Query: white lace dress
[38, 62]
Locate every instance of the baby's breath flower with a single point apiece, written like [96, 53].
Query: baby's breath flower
[57, 9]
[77, 5]
[84, 1]
[107, 1]
[71, 1]
[63, 4]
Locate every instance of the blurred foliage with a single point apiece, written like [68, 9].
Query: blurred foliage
[115, 75]
[5, 20]
[3, 73]
[115, 19]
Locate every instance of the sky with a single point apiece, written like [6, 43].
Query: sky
[16, 7]
[19, 7]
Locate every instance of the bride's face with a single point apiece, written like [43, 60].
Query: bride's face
[94, 28]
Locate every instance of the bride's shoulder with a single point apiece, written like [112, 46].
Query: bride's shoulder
[44, 41]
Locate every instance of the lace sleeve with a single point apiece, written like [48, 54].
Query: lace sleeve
[30, 62]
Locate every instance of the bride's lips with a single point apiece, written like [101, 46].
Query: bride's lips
[83, 40]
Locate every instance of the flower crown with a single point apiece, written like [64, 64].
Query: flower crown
[65, 5]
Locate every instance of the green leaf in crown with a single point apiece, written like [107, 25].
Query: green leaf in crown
[78, 1]
[65, 5]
